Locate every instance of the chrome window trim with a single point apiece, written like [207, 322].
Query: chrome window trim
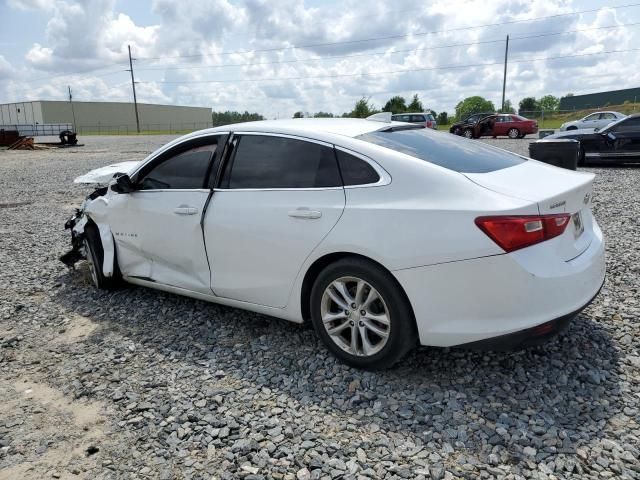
[201, 190]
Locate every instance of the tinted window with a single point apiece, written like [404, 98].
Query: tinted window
[449, 151]
[417, 118]
[279, 162]
[401, 118]
[628, 125]
[355, 171]
[186, 170]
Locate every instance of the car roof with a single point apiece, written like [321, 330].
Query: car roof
[348, 127]
[329, 130]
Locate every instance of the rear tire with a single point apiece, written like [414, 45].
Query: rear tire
[95, 257]
[362, 315]
[572, 128]
[513, 133]
[581, 157]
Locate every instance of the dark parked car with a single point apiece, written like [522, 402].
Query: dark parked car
[458, 127]
[424, 118]
[617, 142]
[501, 125]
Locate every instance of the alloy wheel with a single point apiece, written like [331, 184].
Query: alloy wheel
[90, 261]
[355, 316]
[513, 133]
[468, 133]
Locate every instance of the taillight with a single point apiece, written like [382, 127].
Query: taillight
[429, 123]
[515, 232]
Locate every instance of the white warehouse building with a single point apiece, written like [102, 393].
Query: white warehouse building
[104, 117]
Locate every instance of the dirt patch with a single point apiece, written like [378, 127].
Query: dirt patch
[78, 328]
[47, 433]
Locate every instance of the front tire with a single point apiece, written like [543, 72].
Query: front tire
[468, 133]
[95, 256]
[513, 133]
[361, 314]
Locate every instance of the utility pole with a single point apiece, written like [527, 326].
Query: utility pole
[504, 78]
[73, 112]
[133, 85]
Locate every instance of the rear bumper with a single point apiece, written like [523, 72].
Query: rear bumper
[469, 301]
[530, 337]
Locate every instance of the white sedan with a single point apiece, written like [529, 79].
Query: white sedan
[597, 120]
[384, 234]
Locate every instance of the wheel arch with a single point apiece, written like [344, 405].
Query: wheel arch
[321, 263]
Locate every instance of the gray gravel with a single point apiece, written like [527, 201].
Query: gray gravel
[141, 384]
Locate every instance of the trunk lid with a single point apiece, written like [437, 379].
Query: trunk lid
[555, 190]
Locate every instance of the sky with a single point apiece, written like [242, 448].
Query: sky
[276, 57]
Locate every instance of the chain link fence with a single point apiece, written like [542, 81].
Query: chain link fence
[145, 128]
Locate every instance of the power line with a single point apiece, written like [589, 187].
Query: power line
[391, 37]
[390, 72]
[370, 54]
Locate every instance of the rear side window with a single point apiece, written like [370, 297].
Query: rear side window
[281, 162]
[448, 151]
[186, 170]
[417, 118]
[355, 171]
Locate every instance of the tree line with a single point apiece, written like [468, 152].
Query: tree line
[398, 104]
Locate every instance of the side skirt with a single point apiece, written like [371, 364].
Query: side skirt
[271, 311]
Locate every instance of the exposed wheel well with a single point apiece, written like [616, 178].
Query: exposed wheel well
[319, 265]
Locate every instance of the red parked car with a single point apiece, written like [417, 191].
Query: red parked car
[503, 124]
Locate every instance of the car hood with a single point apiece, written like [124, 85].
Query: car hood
[103, 175]
[572, 133]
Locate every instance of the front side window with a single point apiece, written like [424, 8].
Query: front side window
[593, 116]
[628, 125]
[186, 170]
[262, 161]
[607, 116]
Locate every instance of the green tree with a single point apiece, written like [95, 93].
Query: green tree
[443, 118]
[395, 104]
[223, 118]
[528, 105]
[549, 103]
[415, 105]
[323, 115]
[508, 107]
[298, 115]
[362, 109]
[471, 105]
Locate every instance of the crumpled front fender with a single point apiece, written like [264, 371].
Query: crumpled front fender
[94, 209]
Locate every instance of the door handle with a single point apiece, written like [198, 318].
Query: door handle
[305, 213]
[185, 210]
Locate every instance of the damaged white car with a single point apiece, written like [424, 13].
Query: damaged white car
[385, 235]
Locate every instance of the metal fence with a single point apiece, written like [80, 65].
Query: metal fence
[145, 128]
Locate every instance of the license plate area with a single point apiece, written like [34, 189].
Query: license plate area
[578, 225]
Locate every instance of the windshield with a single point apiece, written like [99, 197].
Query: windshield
[613, 124]
[448, 151]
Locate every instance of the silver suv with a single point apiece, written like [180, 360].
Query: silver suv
[425, 118]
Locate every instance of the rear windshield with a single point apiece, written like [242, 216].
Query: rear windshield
[446, 150]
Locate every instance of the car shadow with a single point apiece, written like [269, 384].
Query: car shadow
[552, 395]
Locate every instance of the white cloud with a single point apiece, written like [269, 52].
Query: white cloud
[83, 35]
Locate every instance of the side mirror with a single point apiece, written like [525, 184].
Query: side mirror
[611, 136]
[123, 184]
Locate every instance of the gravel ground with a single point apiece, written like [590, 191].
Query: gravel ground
[141, 384]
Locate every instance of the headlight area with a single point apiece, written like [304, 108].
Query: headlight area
[76, 224]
